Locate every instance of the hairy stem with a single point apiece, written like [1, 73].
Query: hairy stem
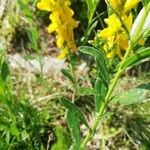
[102, 108]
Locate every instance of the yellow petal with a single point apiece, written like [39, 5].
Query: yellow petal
[44, 5]
[63, 53]
[130, 4]
[60, 42]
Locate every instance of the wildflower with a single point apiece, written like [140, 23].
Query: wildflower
[114, 35]
[62, 23]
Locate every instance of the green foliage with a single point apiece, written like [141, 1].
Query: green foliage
[101, 91]
[32, 30]
[103, 77]
[66, 73]
[74, 110]
[62, 139]
[21, 125]
[100, 61]
[138, 56]
[92, 4]
[33, 35]
[4, 71]
[74, 126]
[133, 96]
[26, 10]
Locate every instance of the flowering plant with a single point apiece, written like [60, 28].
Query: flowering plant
[124, 37]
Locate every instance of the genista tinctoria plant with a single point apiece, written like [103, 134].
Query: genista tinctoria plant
[125, 36]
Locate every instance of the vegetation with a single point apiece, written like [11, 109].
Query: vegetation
[98, 98]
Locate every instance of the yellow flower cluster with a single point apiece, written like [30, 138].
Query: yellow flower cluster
[114, 34]
[62, 23]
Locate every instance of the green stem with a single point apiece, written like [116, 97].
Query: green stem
[72, 69]
[114, 81]
[102, 108]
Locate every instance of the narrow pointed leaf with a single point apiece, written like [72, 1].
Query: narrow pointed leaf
[25, 9]
[101, 89]
[100, 60]
[74, 126]
[133, 96]
[75, 110]
[141, 54]
[67, 74]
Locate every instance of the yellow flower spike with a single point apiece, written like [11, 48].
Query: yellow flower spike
[61, 22]
[114, 35]
[130, 4]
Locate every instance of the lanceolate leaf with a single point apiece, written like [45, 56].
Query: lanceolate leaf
[92, 4]
[74, 110]
[67, 73]
[101, 89]
[25, 9]
[100, 60]
[141, 54]
[133, 96]
[74, 126]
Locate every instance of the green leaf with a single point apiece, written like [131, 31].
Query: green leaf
[25, 9]
[101, 89]
[100, 60]
[133, 96]
[14, 130]
[74, 126]
[62, 139]
[91, 4]
[33, 37]
[75, 110]
[139, 55]
[91, 28]
[67, 74]
[4, 71]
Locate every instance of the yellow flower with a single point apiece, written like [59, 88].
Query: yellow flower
[61, 22]
[113, 26]
[114, 35]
